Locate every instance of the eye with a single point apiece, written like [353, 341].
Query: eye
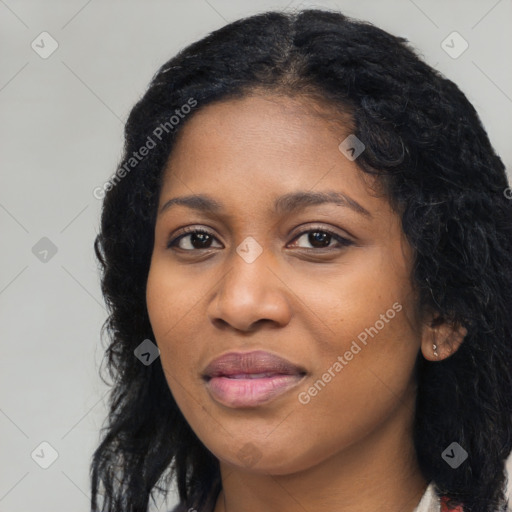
[321, 238]
[192, 238]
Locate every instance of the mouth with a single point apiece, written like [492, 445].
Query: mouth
[250, 379]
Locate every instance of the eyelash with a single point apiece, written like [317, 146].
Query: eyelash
[344, 242]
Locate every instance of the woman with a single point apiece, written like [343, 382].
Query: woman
[311, 225]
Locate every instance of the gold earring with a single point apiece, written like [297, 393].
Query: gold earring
[434, 346]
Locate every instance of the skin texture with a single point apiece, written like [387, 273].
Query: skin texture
[350, 447]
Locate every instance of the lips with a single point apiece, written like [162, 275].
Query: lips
[250, 379]
[249, 365]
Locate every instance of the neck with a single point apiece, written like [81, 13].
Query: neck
[379, 472]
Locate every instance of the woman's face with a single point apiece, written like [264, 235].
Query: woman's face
[324, 284]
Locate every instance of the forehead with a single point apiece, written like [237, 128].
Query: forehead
[284, 120]
[259, 139]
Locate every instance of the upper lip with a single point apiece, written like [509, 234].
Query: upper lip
[257, 361]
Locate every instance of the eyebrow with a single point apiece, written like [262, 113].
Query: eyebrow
[284, 204]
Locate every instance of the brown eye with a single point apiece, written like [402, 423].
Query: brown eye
[193, 239]
[319, 238]
[322, 238]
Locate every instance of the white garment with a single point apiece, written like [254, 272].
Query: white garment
[429, 501]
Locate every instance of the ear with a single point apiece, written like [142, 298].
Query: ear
[441, 337]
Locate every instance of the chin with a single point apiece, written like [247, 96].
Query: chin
[266, 457]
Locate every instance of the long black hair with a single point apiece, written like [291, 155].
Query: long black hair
[425, 143]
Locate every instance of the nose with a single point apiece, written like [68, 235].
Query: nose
[249, 295]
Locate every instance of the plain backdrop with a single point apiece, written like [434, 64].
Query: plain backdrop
[62, 116]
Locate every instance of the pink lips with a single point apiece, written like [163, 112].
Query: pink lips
[250, 379]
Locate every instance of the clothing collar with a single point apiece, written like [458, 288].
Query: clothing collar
[429, 502]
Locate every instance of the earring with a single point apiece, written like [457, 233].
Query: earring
[434, 346]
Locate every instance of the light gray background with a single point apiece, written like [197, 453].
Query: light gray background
[61, 136]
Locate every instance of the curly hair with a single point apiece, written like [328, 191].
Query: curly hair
[427, 147]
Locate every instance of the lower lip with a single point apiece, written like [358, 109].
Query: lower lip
[250, 392]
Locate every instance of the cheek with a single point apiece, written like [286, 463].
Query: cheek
[366, 318]
[172, 308]
[340, 306]
[172, 297]
[171, 312]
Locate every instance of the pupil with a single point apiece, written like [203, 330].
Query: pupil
[319, 237]
[203, 238]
